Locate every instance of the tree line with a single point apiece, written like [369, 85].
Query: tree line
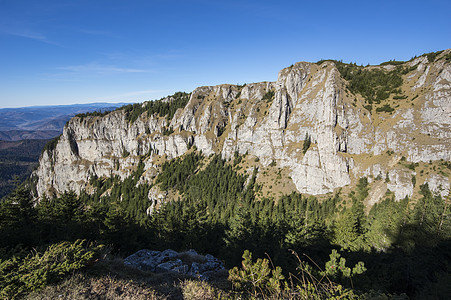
[405, 245]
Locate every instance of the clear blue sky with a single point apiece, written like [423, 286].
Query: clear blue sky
[77, 51]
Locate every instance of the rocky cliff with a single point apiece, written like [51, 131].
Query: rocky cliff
[312, 123]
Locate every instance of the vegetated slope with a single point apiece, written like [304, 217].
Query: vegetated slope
[217, 213]
[222, 170]
[318, 128]
[17, 159]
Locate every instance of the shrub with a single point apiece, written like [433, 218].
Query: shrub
[259, 281]
[385, 108]
[95, 113]
[374, 84]
[256, 278]
[336, 267]
[268, 96]
[392, 62]
[307, 143]
[51, 145]
[160, 107]
[125, 153]
[22, 275]
[167, 131]
[369, 107]
[432, 56]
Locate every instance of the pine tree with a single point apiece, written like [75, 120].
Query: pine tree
[350, 228]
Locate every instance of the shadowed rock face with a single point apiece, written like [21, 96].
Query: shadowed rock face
[271, 120]
[188, 263]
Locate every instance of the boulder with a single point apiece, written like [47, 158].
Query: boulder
[189, 262]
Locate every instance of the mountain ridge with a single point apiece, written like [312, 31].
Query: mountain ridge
[353, 131]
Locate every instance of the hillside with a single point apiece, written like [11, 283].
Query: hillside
[17, 158]
[317, 129]
[330, 183]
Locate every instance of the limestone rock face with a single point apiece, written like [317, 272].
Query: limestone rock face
[188, 263]
[271, 121]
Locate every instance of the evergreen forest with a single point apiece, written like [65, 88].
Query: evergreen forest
[399, 248]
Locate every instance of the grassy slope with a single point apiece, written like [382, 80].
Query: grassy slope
[111, 279]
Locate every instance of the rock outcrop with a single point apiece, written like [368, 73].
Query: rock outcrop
[188, 263]
[271, 120]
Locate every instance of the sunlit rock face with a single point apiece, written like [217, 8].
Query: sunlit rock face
[271, 121]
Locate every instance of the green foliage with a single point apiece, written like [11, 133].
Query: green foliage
[411, 166]
[237, 158]
[432, 55]
[259, 281]
[431, 218]
[447, 57]
[167, 131]
[375, 84]
[256, 278]
[385, 108]
[217, 213]
[160, 107]
[362, 188]
[125, 153]
[220, 130]
[268, 96]
[17, 214]
[307, 143]
[217, 185]
[33, 272]
[392, 62]
[69, 207]
[93, 114]
[337, 270]
[384, 223]
[174, 174]
[350, 226]
[51, 145]
[400, 97]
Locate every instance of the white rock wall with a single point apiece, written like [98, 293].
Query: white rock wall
[309, 99]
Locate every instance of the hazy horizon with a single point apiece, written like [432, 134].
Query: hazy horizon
[66, 104]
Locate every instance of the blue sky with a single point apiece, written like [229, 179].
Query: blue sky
[77, 51]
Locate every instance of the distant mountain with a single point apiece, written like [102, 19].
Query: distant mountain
[17, 158]
[43, 122]
[19, 135]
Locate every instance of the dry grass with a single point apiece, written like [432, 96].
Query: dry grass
[111, 279]
[80, 286]
[189, 258]
[201, 290]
